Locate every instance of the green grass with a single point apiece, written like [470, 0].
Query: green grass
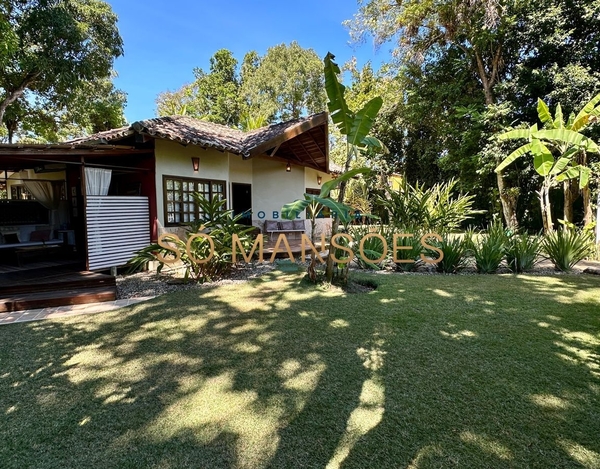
[423, 372]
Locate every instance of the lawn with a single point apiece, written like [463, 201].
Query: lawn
[425, 371]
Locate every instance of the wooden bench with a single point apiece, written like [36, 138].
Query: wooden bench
[285, 226]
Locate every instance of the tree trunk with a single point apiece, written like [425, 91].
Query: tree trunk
[587, 206]
[509, 203]
[586, 194]
[570, 195]
[544, 195]
[12, 96]
[11, 125]
[336, 221]
[311, 270]
[488, 80]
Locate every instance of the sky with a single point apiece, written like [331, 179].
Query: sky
[165, 40]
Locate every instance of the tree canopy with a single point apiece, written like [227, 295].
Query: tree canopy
[52, 54]
[285, 83]
[468, 70]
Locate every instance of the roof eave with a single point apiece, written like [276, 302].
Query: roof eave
[293, 131]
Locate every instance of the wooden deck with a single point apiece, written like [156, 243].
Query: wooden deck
[53, 286]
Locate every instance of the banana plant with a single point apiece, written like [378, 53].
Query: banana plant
[313, 204]
[567, 142]
[355, 126]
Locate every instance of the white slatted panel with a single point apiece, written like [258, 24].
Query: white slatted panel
[117, 227]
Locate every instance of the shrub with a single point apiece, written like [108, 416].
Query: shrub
[567, 247]
[434, 209]
[412, 254]
[217, 222]
[455, 254]
[522, 252]
[489, 249]
[373, 247]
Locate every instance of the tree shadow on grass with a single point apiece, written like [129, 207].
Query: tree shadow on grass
[205, 378]
[278, 374]
[484, 380]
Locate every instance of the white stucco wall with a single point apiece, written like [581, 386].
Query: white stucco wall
[310, 178]
[272, 186]
[240, 170]
[173, 159]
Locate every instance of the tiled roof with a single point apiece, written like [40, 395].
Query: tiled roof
[103, 137]
[190, 131]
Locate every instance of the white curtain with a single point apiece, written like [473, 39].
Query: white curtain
[97, 181]
[43, 192]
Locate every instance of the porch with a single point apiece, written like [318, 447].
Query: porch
[50, 284]
[67, 213]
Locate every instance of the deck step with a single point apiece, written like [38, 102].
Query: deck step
[19, 286]
[50, 299]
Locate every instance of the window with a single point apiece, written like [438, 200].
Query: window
[18, 192]
[179, 203]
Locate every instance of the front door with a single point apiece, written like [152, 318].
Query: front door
[241, 201]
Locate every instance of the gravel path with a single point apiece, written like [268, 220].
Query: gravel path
[150, 284]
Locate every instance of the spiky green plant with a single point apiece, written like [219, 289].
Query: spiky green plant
[565, 248]
[438, 208]
[489, 249]
[373, 247]
[413, 254]
[522, 252]
[455, 254]
[215, 221]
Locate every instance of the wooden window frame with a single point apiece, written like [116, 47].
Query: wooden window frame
[188, 180]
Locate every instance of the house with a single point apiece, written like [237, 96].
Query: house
[111, 193]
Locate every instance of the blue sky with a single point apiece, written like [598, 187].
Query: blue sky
[165, 40]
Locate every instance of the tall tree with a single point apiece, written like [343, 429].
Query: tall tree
[50, 47]
[508, 53]
[91, 107]
[177, 103]
[567, 141]
[355, 126]
[212, 96]
[284, 84]
[424, 29]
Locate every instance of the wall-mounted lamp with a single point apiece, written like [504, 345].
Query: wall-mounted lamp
[196, 164]
[288, 168]
[319, 180]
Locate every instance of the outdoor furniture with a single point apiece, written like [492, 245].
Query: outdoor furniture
[36, 252]
[287, 226]
[39, 245]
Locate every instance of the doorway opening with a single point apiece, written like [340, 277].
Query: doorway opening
[241, 201]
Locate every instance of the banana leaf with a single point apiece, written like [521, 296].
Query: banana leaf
[340, 114]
